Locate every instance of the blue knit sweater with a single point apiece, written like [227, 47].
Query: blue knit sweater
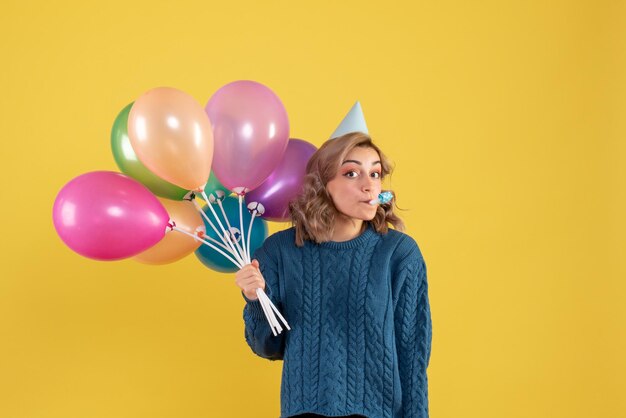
[361, 328]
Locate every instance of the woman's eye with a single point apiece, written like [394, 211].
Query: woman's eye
[376, 175]
[351, 174]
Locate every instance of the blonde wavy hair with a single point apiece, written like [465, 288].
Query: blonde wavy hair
[313, 212]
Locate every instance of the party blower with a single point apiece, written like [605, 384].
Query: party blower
[382, 199]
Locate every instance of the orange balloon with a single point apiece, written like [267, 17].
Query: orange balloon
[171, 134]
[175, 245]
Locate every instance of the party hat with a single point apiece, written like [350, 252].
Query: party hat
[353, 122]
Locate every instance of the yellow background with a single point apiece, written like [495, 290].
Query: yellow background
[506, 122]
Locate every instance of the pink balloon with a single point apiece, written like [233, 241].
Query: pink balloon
[250, 132]
[108, 216]
[285, 182]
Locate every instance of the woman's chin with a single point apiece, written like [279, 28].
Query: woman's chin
[368, 217]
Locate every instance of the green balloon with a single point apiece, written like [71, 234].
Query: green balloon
[130, 165]
[214, 184]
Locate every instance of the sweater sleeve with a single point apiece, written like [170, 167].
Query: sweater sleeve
[258, 332]
[413, 327]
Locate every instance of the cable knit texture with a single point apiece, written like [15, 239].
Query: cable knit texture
[361, 328]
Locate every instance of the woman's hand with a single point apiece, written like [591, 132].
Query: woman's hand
[249, 279]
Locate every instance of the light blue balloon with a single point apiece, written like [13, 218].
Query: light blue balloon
[216, 261]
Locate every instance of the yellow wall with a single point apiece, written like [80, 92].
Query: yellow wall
[506, 121]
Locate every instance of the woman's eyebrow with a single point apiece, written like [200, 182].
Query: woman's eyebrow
[358, 162]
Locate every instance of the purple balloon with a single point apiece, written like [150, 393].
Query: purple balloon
[108, 216]
[250, 133]
[285, 182]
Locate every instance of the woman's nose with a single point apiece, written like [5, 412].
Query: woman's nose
[367, 185]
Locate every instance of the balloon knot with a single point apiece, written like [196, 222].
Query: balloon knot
[240, 191]
[256, 209]
[216, 196]
[171, 225]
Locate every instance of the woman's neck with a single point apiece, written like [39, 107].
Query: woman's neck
[347, 228]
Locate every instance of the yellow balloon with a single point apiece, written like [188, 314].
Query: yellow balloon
[175, 245]
[172, 136]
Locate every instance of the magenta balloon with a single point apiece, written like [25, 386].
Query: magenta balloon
[108, 216]
[285, 182]
[250, 132]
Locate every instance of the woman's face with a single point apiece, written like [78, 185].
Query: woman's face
[356, 183]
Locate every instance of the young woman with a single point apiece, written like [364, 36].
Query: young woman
[354, 293]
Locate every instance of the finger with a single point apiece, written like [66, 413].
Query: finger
[246, 277]
[251, 289]
[250, 282]
[249, 268]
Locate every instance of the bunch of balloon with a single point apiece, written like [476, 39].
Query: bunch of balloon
[165, 144]
[251, 133]
[110, 216]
